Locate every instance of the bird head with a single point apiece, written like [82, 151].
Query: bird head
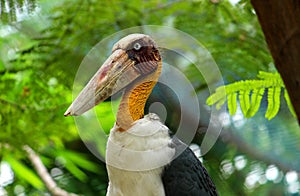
[134, 58]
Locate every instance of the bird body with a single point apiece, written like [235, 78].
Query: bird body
[136, 158]
[142, 158]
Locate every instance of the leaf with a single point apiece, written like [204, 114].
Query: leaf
[266, 75]
[232, 103]
[270, 102]
[256, 97]
[220, 103]
[23, 172]
[81, 160]
[73, 161]
[73, 169]
[273, 102]
[217, 96]
[289, 103]
[244, 97]
[250, 102]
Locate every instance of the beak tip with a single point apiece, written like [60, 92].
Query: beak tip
[67, 113]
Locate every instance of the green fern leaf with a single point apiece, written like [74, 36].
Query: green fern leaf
[269, 76]
[250, 94]
[265, 75]
[232, 103]
[273, 102]
[270, 102]
[244, 97]
[289, 103]
[219, 95]
[256, 97]
[220, 103]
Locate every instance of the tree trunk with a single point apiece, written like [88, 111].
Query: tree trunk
[280, 22]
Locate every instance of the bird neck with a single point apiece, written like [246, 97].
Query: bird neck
[134, 99]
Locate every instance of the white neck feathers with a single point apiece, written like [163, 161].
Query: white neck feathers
[135, 158]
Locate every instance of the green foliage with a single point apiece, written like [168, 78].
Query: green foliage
[10, 11]
[73, 161]
[24, 173]
[250, 94]
[40, 54]
[231, 33]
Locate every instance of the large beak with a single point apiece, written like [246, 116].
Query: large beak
[116, 73]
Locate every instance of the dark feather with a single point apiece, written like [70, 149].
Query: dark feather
[185, 175]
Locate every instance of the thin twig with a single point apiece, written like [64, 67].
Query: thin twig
[44, 174]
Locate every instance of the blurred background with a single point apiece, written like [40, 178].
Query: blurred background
[42, 44]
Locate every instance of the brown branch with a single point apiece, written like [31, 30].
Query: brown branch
[44, 174]
[280, 22]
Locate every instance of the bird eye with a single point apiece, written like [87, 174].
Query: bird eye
[137, 46]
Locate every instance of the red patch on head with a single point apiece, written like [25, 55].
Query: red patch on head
[103, 71]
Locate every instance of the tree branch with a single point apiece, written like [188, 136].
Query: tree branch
[44, 175]
[280, 22]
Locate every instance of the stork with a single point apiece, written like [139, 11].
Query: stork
[142, 158]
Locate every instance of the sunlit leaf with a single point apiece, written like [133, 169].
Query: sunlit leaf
[24, 173]
[80, 160]
[289, 103]
[256, 97]
[251, 93]
[244, 97]
[273, 102]
[232, 103]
